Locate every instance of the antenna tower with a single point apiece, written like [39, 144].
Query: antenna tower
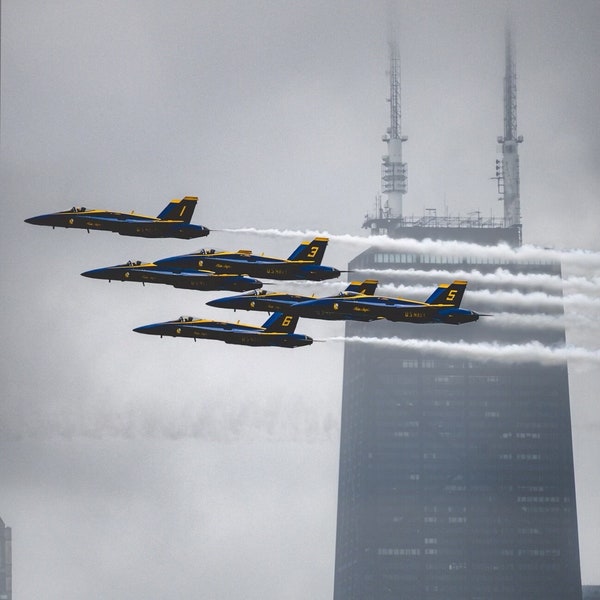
[507, 169]
[393, 170]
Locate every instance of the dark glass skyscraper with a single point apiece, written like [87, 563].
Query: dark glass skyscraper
[5, 562]
[456, 475]
[456, 471]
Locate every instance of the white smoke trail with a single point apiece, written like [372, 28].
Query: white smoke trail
[502, 252]
[533, 321]
[537, 300]
[555, 283]
[484, 351]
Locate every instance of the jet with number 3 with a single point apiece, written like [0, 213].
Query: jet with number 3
[443, 306]
[278, 330]
[172, 222]
[303, 264]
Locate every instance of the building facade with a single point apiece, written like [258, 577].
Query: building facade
[591, 592]
[5, 562]
[456, 475]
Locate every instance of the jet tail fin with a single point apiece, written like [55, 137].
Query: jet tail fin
[179, 210]
[281, 323]
[310, 251]
[367, 287]
[448, 293]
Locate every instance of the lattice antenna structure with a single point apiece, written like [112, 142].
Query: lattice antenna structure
[393, 170]
[507, 168]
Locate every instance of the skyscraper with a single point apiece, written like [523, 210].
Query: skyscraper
[456, 474]
[5, 562]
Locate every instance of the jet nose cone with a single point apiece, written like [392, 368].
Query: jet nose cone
[166, 328]
[221, 303]
[34, 220]
[151, 329]
[95, 273]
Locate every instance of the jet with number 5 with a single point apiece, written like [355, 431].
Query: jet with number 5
[278, 330]
[262, 300]
[172, 222]
[443, 306]
[303, 264]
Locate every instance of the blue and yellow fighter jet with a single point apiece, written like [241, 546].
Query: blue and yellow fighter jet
[443, 306]
[304, 263]
[278, 330]
[188, 279]
[261, 300]
[172, 222]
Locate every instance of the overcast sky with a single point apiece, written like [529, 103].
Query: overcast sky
[137, 467]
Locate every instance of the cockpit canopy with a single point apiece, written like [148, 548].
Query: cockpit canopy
[134, 263]
[77, 209]
[206, 251]
[184, 319]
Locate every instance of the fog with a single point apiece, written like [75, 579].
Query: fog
[137, 467]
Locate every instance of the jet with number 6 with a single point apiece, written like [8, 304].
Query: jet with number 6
[443, 306]
[278, 330]
[304, 263]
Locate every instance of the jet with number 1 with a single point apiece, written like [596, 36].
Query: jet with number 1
[172, 222]
[303, 264]
[278, 330]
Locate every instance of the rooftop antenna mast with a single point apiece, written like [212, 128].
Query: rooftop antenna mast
[393, 170]
[507, 169]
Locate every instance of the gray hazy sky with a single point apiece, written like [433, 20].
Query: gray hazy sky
[137, 467]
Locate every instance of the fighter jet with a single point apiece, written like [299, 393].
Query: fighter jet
[261, 300]
[189, 279]
[443, 306]
[172, 222]
[278, 330]
[303, 264]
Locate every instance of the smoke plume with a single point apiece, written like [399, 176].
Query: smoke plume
[576, 258]
[483, 351]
